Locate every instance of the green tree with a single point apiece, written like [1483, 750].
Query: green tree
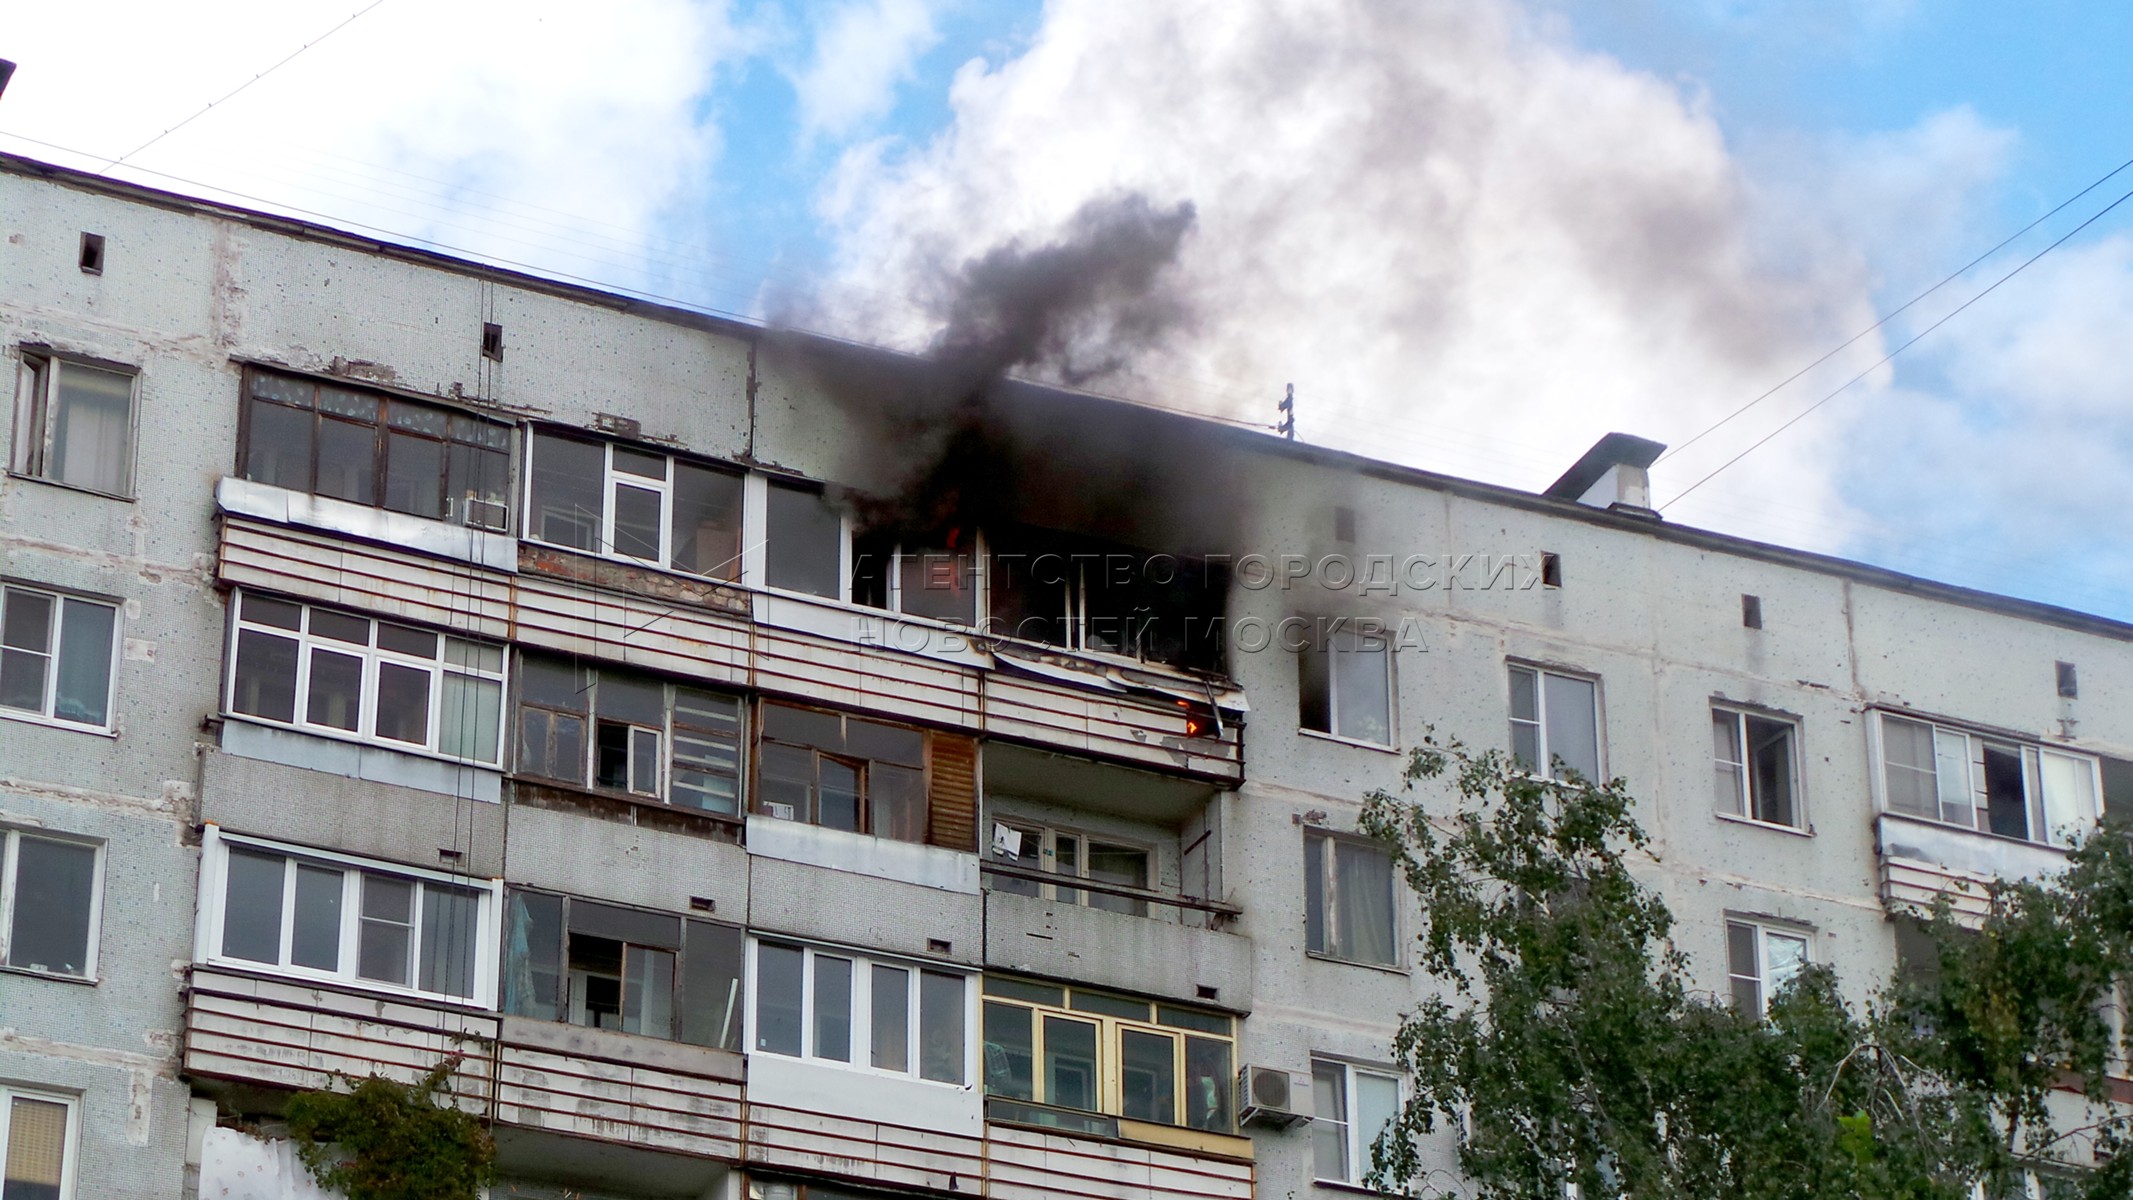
[1566, 1044]
[382, 1140]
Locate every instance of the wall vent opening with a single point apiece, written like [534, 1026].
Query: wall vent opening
[92, 253]
[1751, 611]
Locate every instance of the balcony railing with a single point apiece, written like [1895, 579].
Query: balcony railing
[1189, 910]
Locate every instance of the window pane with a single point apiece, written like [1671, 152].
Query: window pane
[417, 418]
[414, 475]
[1148, 1076]
[316, 940]
[1208, 1080]
[84, 687]
[896, 797]
[1070, 1079]
[91, 444]
[1329, 1132]
[387, 929]
[567, 488]
[471, 709]
[348, 461]
[838, 795]
[2069, 795]
[644, 761]
[804, 542]
[25, 649]
[533, 956]
[711, 985]
[281, 614]
[336, 696]
[786, 783]
[280, 387]
[777, 998]
[940, 1027]
[277, 446]
[1743, 966]
[551, 744]
[2006, 799]
[251, 907]
[1010, 1053]
[1377, 1102]
[1770, 770]
[553, 683]
[640, 464]
[1727, 763]
[1573, 724]
[1783, 956]
[36, 1149]
[1362, 692]
[707, 521]
[833, 1008]
[1315, 894]
[637, 523]
[404, 704]
[1907, 751]
[356, 406]
[1362, 888]
[648, 992]
[340, 627]
[478, 476]
[706, 752]
[449, 917]
[634, 699]
[892, 1018]
[1951, 770]
[404, 639]
[55, 883]
[611, 755]
[595, 978]
[941, 584]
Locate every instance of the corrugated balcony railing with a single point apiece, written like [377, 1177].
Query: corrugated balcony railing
[533, 1075]
[1922, 860]
[703, 631]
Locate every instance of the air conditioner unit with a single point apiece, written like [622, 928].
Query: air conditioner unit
[1273, 1096]
[492, 515]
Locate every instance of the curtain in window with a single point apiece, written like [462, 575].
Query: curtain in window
[36, 1146]
[89, 432]
[1363, 890]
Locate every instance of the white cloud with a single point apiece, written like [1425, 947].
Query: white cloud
[547, 132]
[1470, 245]
[863, 51]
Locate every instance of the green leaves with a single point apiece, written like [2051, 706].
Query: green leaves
[383, 1140]
[1568, 1045]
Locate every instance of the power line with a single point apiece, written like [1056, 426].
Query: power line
[240, 87]
[1894, 313]
[1846, 385]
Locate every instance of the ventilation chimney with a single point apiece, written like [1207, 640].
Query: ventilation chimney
[1614, 474]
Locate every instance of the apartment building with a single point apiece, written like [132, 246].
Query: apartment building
[759, 773]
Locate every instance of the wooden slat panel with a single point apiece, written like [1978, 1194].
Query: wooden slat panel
[1027, 1164]
[952, 791]
[619, 1102]
[1915, 885]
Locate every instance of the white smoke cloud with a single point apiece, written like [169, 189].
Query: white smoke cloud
[863, 51]
[1470, 245]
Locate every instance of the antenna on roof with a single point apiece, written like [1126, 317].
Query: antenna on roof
[1287, 428]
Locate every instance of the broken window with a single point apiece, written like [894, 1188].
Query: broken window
[634, 734]
[825, 768]
[1555, 722]
[1348, 900]
[48, 904]
[36, 1132]
[74, 423]
[1085, 594]
[57, 656]
[1760, 960]
[1756, 766]
[1070, 854]
[376, 450]
[1345, 685]
[1978, 782]
[609, 967]
[625, 502]
[888, 1016]
[339, 918]
[326, 671]
[803, 540]
[1100, 1052]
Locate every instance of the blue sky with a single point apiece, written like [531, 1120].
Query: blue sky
[1474, 235]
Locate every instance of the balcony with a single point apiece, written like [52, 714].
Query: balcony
[1030, 1163]
[1922, 860]
[1176, 951]
[569, 1104]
